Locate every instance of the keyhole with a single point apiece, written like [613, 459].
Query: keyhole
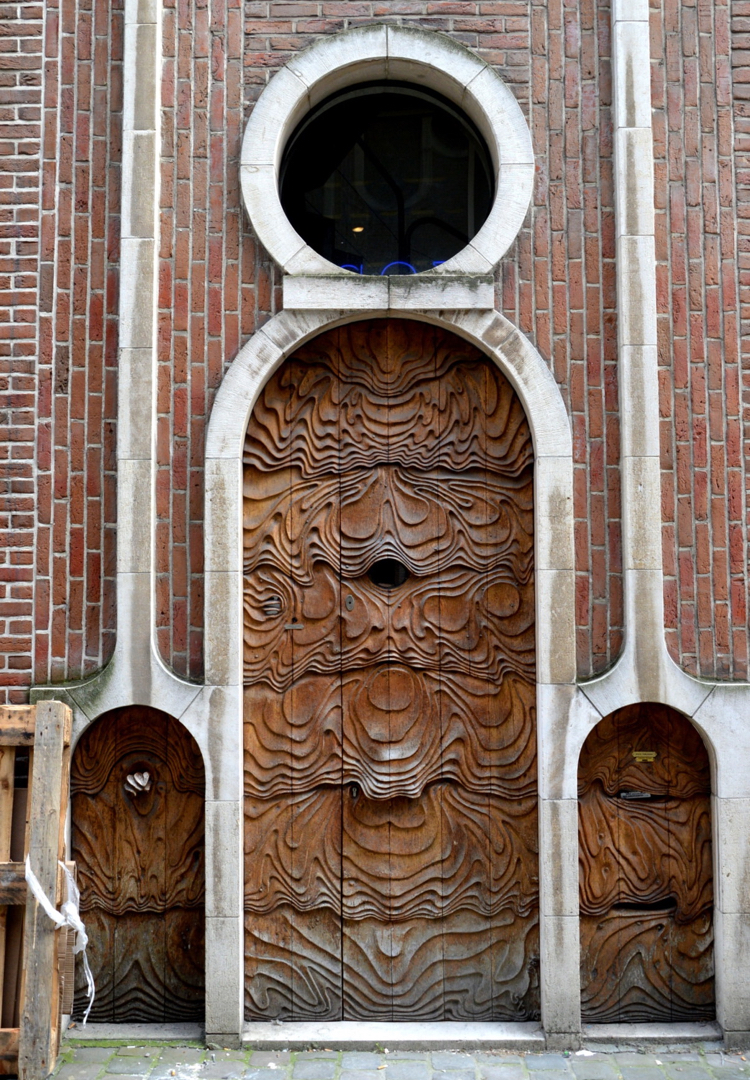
[388, 573]
[354, 791]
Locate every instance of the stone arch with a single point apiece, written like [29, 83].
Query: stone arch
[532, 379]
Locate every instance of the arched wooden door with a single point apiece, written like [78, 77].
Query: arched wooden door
[646, 875]
[138, 794]
[390, 752]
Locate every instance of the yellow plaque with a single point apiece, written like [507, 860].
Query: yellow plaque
[644, 755]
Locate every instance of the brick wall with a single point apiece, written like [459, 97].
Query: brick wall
[560, 290]
[75, 558]
[21, 63]
[217, 285]
[703, 481]
[740, 58]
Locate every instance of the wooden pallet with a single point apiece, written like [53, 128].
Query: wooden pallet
[35, 957]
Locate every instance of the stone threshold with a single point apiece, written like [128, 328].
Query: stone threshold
[134, 1033]
[649, 1034]
[386, 1035]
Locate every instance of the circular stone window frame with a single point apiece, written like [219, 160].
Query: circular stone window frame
[381, 51]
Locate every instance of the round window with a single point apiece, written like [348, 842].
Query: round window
[386, 179]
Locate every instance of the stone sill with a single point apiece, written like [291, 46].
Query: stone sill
[364, 292]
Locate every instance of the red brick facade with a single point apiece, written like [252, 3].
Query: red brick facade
[59, 286]
[704, 483]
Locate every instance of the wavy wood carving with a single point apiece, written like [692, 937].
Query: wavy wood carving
[389, 744]
[325, 412]
[457, 620]
[646, 883]
[138, 840]
[449, 850]
[640, 966]
[349, 521]
[460, 967]
[145, 966]
[644, 852]
[680, 767]
[390, 758]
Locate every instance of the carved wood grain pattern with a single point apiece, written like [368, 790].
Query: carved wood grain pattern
[644, 967]
[448, 850]
[140, 862]
[348, 521]
[461, 967]
[342, 403]
[136, 958]
[389, 745]
[639, 963]
[381, 441]
[641, 853]
[458, 968]
[680, 769]
[293, 965]
[454, 621]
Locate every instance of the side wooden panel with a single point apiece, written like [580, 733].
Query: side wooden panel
[138, 793]
[646, 874]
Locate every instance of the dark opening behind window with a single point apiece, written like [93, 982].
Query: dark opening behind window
[386, 179]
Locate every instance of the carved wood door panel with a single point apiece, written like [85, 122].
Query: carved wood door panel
[138, 793]
[390, 753]
[646, 878]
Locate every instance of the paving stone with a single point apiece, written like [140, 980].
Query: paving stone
[405, 1055]
[267, 1074]
[729, 1072]
[362, 1074]
[549, 1074]
[269, 1057]
[151, 1053]
[596, 1068]
[124, 1066]
[646, 1072]
[498, 1057]
[222, 1070]
[688, 1071]
[79, 1070]
[547, 1061]
[455, 1074]
[96, 1053]
[359, 1059]
[314, 1070]
[502, 1072]
[407, 1070]
[182, 1055]
[628, 1057]
[314, 1055]
[449, 1060]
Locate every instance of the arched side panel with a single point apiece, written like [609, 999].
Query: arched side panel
[646, 873]
[137, 800]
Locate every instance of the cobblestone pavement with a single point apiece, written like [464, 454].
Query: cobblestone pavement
[196, 1063]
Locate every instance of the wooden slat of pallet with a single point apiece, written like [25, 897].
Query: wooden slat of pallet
[40, 999]
[12, 884]
[16, 725]
[7, 775]
[8, 1049]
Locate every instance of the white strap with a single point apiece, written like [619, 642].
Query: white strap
[69, 915]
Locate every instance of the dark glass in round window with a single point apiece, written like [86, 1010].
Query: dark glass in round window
[386, 179]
